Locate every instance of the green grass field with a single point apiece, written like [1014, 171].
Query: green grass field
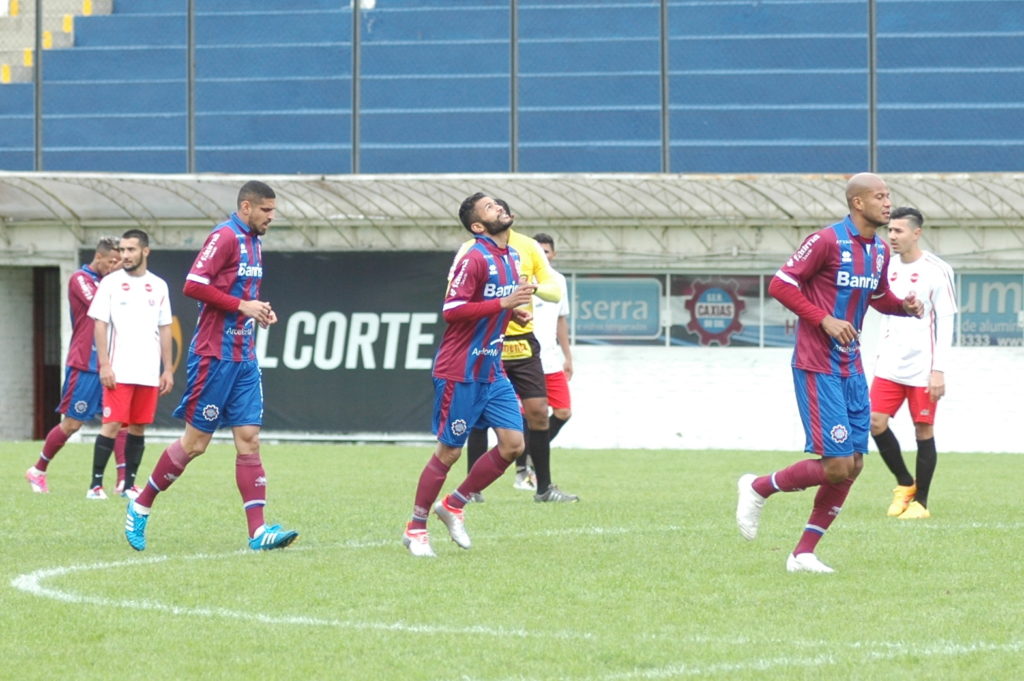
[645, 578]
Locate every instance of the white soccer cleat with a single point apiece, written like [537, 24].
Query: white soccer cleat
[806, 562]
[749, 506]
[526, 479]
[454, 521]
[96, 493]
[418, 543]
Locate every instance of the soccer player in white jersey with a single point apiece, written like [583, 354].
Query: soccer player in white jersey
[912, 359]
[132, 314]
[551, 327]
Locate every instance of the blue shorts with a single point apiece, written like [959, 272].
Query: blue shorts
[81, 398]
[835, 411]
[459, 407]
[221, 394]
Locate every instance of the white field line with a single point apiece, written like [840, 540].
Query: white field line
[33, 583]
[889, 650]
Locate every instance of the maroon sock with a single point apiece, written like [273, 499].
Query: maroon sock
[55, 439]
[431, 481]
[252, 485]
[827, 504]
[799, 476]
[168, 468]
[486, 470]
[119, 442]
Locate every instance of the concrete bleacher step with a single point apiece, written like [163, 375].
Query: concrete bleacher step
[20, 27]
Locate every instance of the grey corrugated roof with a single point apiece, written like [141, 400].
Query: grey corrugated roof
[82, 199]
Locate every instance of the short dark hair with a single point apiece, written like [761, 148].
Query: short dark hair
[137, 234]
[542, 238]
[254, 189]
[106, 244]
[913, 215]
[467, 211]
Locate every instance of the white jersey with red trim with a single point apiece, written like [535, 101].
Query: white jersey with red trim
[545, 326]
[135, 308]
[910, 348]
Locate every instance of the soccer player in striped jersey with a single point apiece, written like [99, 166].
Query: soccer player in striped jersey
[224, 385]
[471, 389]
[911, 361]
[829, 283]
[521, 359]
[82, 395]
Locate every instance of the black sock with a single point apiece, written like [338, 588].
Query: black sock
[540, 452]
[134, 445]
[927, 458]
[523, 460]
[476, 445]
[555, 426]
[889, 448]
[100, 456]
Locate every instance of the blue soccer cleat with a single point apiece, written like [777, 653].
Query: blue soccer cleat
[135, 527]
[272, 537]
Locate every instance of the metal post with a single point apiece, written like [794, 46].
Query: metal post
[37, 74]
[190, 87]
[356, 43]
[666, 134]
[872, 89]
[513, 99]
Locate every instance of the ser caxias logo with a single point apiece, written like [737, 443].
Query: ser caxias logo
[715, 306]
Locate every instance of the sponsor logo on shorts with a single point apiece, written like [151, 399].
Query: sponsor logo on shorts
[211, 412]
[106, 412]
[458, 427]
[80, 406]
[839, 434]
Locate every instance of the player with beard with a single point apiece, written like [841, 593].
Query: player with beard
[132, 317]
[470, 385]
[224, 383]
[521, 359]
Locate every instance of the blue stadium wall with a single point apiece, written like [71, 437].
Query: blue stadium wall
[752, 87]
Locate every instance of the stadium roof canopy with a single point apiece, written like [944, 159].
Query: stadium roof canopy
[635, 220]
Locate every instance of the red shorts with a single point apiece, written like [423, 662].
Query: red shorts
[558, 390]
[888, 396]
[130, 404]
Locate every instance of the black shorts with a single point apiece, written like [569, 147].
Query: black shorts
[525, 371]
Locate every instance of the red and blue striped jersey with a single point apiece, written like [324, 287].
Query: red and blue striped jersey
[81, 290]
[231, 261]
[470, 348]
[840, 272]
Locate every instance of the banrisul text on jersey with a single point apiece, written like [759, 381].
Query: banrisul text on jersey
[231, 260]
